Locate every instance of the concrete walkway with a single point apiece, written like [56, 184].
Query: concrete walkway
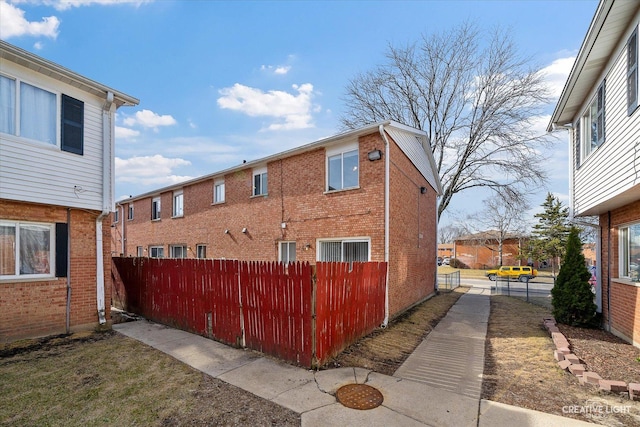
[438, 385]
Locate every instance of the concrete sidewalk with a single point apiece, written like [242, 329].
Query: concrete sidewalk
[438, 385]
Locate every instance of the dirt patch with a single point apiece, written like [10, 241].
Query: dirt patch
[385, 350]
[520, 369]
[109, 379]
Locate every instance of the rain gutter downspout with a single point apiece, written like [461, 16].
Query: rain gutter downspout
[386, 221]
[107, 154]
[68, 312]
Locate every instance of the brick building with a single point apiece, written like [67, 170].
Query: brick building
[482, 250]
[599, 108]
[56, 190]
[364, 195]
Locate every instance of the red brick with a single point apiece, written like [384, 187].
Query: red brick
[614, 386]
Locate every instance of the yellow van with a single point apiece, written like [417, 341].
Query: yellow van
[516, 272]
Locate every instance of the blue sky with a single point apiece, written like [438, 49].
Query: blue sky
[220, 82]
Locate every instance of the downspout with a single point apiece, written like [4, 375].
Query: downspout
[68, 313]
[107, 154]
[122, 234]
[609, 271]
[386, 222]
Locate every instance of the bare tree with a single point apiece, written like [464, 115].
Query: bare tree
[448, 233]
[477, 105]
[499, 220]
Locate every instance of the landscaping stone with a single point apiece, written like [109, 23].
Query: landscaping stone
[558, 355]
[564, 364]
[590, 378]
[564, 350]
[577, 369]
[572, 358]
[553, 329]
[634, 391]
[614, 386]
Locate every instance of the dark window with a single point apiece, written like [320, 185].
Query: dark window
[62, 248]
[72, 125]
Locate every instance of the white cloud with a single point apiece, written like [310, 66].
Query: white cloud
[279, 69]
[149, 119]
[126, 133]
[294, 111]
[14, 24]
[556, 74]
[150, 170]
[67, 4]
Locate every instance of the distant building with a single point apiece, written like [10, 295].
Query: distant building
[482, 250]
[599, 108]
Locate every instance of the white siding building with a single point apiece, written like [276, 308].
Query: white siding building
[599, 107]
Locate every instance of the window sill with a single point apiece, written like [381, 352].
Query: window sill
[341, 190]
[177, 217]
[623, 281]
[156, 219]
[22, 279]
[255, 196]
[218, 203]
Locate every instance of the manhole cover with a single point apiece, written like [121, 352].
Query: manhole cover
[359, 396]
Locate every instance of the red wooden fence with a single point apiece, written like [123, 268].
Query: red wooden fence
[265, 306]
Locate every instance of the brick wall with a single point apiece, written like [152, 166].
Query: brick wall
[297, 198]
[482, 255]
[38, 307]
[624, 299]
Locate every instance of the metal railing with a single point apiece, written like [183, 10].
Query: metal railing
[448, 281]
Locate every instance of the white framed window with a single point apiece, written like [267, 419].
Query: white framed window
[343, 166]
[31, 112]
[155, 208]
[139, 251]
[629, 252]
[156, 251]
[260, 182]
[130, 212]
[287, 252]
[178, 203]
[218, 191]
[344, 250]
[592, 133]
[178, 251]
[201, 251]
[116, 214]
[632, 72]
[26, 249]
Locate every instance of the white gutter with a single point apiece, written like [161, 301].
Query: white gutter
[386, 221]
[107, 188]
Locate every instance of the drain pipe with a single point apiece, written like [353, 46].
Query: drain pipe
[386, 222]
[107, 188]
[609, 271]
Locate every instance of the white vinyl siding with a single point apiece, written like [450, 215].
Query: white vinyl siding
[37, 172]
[411, 146]
[612, 168]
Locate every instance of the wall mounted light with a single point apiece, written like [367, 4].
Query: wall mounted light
[423, 190]
[307, 247]
[374, 155]
[244, 230]
[226, 231]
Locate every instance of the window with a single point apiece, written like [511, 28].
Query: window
[632, 72]
[156, 251]
[178, 203]
[155, 208]
[344, 251]
[218, 191]
[287, 252]
[139, 251]
[178, 251]
[342, 170]
[260, 182]
[72, 125]
[31, 112]
[130, 212]
[26, 249]
[593, 131]
[629, 242]
[116, 215]
[201, 251]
